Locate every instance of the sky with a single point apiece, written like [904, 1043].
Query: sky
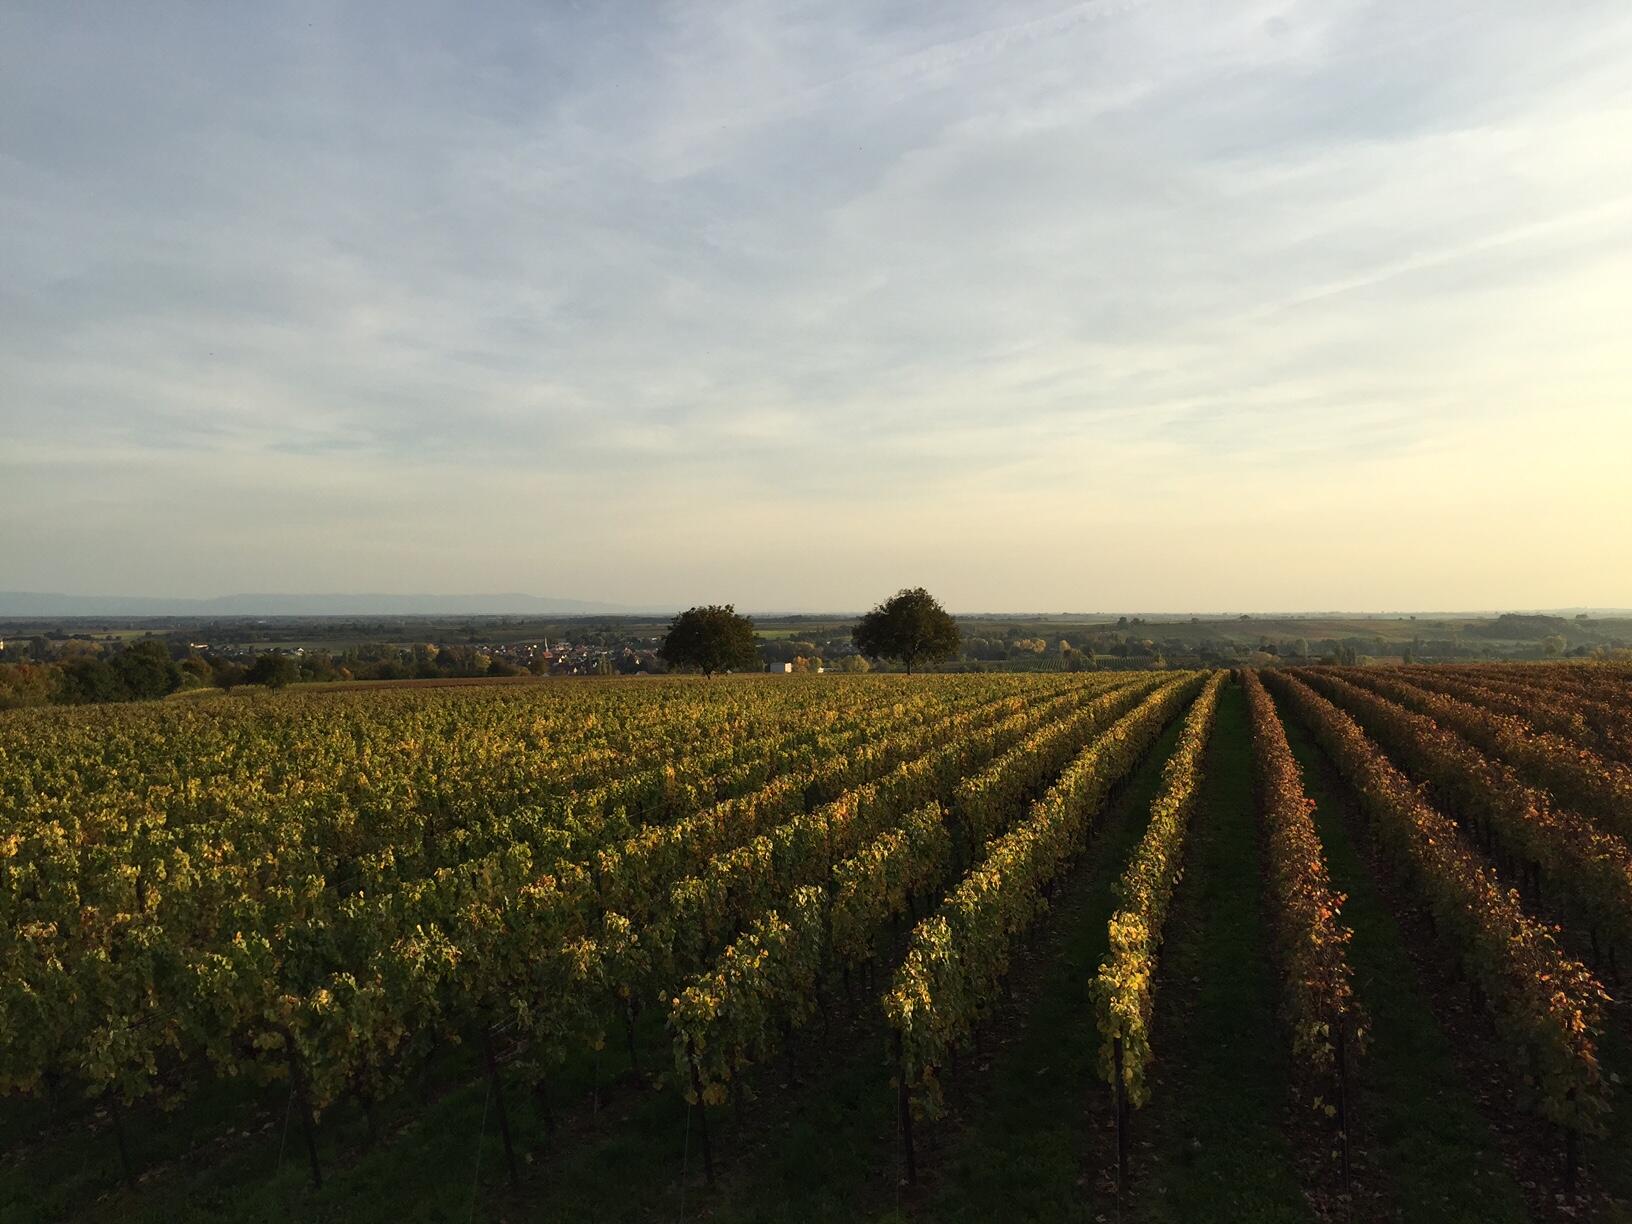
[1116, 305]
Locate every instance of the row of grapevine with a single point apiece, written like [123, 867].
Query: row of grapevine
[1541, 710]
[703, 911]
[151, 845]
[283, 927]
[1600, 697]
[547, 969]
[1589, 870]
[719, 1018]
[1305, 913]
[825, 761]
[1124, 989]
[1604, 681]
[634, 874]
[986, 800]
[372, 795]
[574, 823]
[442, 748]
[1547, 1007]
[1576, 776]
[883, 881]
[769, 981]
[956, 959]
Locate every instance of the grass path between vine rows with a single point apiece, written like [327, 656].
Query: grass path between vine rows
[1021, 1119]
[1430, 1151]
[1211, 1144]
[1004, 1151]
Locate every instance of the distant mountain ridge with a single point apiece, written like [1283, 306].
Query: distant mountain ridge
[38, 604]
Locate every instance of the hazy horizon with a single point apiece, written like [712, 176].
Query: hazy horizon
[519, 604]
[1075, 306]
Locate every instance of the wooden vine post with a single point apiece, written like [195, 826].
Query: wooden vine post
[1343, 1099]
[498, 1099]
[702, 1115]
[904, 1099]
[119, 1136]
[1121, 1117]
[1572, 1151]
[629, 1033]
[307, 1125]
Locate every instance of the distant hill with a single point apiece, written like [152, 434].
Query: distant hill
[36, 604]
[1518, 627]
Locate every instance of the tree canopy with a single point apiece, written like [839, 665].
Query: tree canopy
[711, 639]
[910, 627]
[146, 670]
[273, 670]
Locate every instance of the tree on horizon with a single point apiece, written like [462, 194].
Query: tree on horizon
[711, 638]
[909, 627]
[272, 670]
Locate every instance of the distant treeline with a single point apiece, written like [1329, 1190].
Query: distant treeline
[76, 669]
[149, 668]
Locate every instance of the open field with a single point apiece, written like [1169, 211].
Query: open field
[1293, 944]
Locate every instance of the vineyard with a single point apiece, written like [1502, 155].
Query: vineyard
[1301, 944]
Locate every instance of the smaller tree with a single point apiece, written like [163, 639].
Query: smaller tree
[195, 672]
[89, 680]
[224, 673]
[146, 670]
[272, 670]
[26, 684]
[711, 639]
[909, 626]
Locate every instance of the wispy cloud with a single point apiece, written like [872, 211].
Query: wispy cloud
[1055, 305]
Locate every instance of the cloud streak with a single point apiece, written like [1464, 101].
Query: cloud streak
[1109, 304]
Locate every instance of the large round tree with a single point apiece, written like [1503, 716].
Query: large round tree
[909, 627]
[711, 639]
